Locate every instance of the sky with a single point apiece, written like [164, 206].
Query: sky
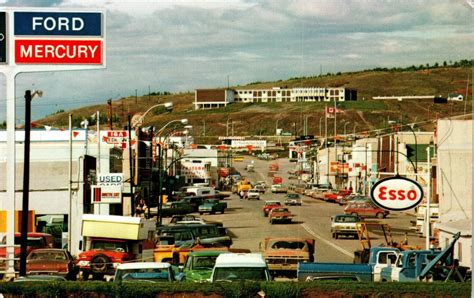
[180, 45]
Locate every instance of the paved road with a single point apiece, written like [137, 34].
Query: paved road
[249, 227]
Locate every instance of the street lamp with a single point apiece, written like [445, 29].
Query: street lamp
[410, 126]
[183, 121]
[345, 125]
[26, 180]
[137, 119]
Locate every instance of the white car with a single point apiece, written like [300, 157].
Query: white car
[277, 188]
[253, 194]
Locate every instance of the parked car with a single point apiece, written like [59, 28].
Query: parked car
[365, 209]
[240, 266]
[352, 198]
[269, 205]
[336, 195]
[278, 188]
[212, 206]
[253, 194]
[173, 208]
[280, 214]
[344, 224]
[198, 265]
[293, 199]
[145, 271]
[40, 278]
[51, 261]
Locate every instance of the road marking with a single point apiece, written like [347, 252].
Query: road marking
[346, 252]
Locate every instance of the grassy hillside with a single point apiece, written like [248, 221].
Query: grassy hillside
[262, 118]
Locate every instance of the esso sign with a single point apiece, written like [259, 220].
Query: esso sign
[396, 193]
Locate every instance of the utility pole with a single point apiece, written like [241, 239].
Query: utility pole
[111, 125]
[26, 185]
[130, 159]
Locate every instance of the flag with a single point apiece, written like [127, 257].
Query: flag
[330, 112]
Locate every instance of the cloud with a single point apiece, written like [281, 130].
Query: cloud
[180, 45]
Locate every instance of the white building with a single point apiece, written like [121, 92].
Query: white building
[454, 186]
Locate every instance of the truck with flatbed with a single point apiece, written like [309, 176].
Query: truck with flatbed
[380, 257]
[283, 254]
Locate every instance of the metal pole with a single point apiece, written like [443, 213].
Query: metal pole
[335, 143]
[111, 124]
[320, 118]
[69, 228]
[428, 199]
[160, 186]
[131, 162]
[26, 186]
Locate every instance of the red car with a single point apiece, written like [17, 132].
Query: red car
[365, 209]
[335, 196]
[52, 261]
[280, 214]
[269, 205]
[34, 240]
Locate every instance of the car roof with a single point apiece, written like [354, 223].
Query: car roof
[144, 265]
[206, 253]
[240, 260]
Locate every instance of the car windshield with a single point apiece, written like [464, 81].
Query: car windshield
[204, 262]
[293, 196]
[47, 255]
[288, 245]
[240, 273]
[346, 219]
[143, 274]
[35, 242]
[105, 245]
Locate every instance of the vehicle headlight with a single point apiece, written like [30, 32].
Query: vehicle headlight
[83, 263]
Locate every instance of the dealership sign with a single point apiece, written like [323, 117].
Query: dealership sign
[396, 193]
[108, 189]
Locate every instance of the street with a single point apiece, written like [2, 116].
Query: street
[249, 227]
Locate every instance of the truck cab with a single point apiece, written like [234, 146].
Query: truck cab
[110, 240]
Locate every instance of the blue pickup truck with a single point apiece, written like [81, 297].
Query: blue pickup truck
[380, 257]
[426, 265]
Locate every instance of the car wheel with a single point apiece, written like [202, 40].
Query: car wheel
[380, 215]
[336, 236]
[99, 264]
[222, 212]
[213, 212]
[333, 235]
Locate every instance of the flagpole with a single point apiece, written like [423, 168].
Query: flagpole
[326, 138]
[335, 143]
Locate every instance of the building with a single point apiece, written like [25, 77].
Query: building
[455, 97]
[212, 98]
[454, 186]
[216, 98]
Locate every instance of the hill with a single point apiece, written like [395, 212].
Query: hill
[262, 118]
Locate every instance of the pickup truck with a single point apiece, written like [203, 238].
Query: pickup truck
[427, 265]
[269, 205]
[174, 208]
[380, 257]
[283, 254]
[344, 224]
[212, 206]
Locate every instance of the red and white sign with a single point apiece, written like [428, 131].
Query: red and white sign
[55, 51]
[396, 193]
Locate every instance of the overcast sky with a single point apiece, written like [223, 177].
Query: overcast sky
[182, 45]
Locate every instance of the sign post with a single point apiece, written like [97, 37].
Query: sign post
[35, 40]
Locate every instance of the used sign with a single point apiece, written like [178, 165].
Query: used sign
[396, 193]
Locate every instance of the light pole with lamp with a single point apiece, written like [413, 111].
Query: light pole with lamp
[136, 122]
[26, 181]
[344, 154]
[160, 175]
[410, 126]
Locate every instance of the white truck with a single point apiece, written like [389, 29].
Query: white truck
[110, 240]
[240, 266]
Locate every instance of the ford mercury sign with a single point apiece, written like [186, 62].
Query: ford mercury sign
[396, 193]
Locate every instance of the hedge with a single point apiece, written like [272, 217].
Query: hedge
[235, 289]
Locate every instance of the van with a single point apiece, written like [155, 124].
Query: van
[240, 266]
